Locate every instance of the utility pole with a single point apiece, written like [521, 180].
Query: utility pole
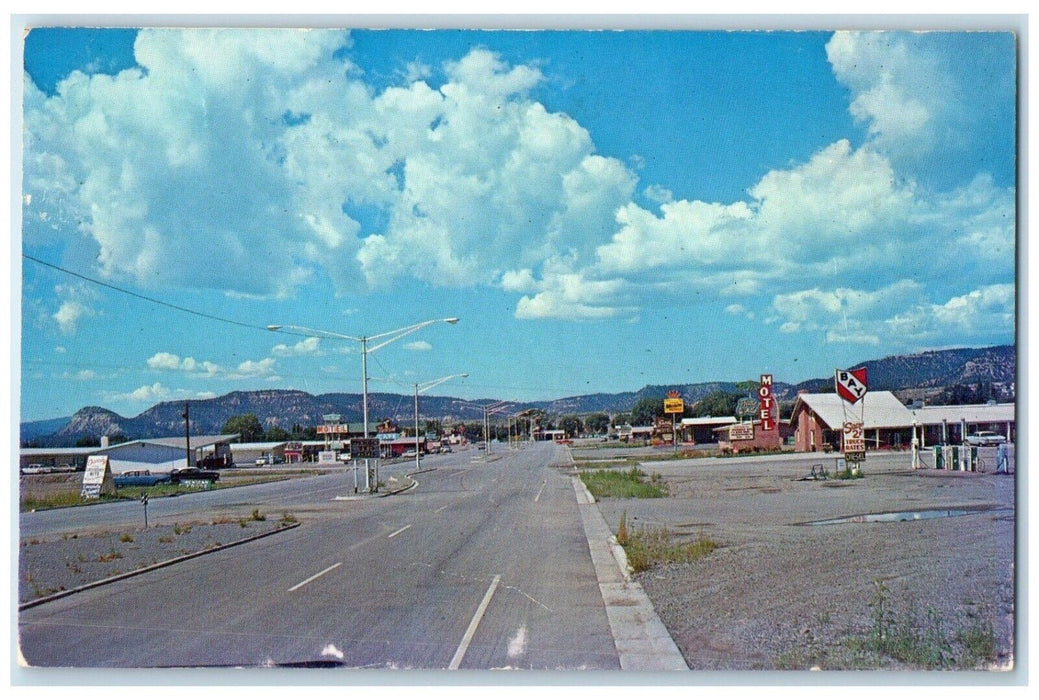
[187, 434]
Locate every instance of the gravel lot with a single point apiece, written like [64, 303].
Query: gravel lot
[49, 566]
[780, 594]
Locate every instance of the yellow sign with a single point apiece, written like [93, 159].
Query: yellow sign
[674, 406]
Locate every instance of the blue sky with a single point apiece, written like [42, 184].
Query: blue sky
[602, 210]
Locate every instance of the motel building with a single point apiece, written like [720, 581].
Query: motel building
[704, 429]
[751, 436]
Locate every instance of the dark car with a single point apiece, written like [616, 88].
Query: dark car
[140, 478]
[193, 474]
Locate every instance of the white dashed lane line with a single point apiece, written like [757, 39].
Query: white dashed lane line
[315, 577]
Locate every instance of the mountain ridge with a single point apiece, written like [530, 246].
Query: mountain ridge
[912, 377]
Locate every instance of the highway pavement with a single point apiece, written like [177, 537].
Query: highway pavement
[483, 565]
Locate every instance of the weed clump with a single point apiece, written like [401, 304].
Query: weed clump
[624, 484]
[649, 547]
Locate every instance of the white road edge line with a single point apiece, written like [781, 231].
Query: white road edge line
[315, 576]
[456, 661]
[397, 532]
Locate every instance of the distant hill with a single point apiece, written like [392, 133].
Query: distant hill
[42, 428]
[909, 376]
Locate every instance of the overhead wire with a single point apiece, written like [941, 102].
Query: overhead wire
[143, 297]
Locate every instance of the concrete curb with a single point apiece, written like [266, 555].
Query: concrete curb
[643, 643]
[402, 489]
[153, 567]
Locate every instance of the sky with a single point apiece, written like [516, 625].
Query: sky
[601, 210]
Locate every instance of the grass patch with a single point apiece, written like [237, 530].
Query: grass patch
[57, 500]
[624, 484]
[649, 547]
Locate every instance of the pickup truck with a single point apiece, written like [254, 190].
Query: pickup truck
[140, 478]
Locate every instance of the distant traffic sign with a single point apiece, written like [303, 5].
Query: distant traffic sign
[364, 448]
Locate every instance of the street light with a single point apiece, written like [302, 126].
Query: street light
[497, 407]
[421, 388]
[386, 338]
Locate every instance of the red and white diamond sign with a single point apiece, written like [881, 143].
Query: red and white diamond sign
[851, 384]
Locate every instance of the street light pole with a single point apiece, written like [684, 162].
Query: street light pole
[389, 336]
[422, 387]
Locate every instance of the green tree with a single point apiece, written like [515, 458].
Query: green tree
[571, 425]
[88, 442]
[278, 434]
[717, 403]
[621, 419]
[246, 425]
[646, 410]
[597, 423]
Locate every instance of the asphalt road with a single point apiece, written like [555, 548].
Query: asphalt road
[484, 565]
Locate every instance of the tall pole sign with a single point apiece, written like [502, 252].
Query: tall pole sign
[767, 404]
[674, 405]
[851, 387]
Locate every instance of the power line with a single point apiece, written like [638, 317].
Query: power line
[143, 297]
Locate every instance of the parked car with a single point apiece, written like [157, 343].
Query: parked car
[140, 478]
[445, 449]
[985, 438]
[193, 474]
[224, 461]
[411, 454]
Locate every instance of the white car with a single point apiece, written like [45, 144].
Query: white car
[985, 438]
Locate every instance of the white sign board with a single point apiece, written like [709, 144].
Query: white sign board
[326, 457]
[741, 431]
[97, 478]
[854, 439]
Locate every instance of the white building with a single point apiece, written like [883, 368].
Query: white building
[163, 454]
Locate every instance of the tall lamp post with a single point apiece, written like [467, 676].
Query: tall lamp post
[497, 407]
[384, 338]
[421, 388]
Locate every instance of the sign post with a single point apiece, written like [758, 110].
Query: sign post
[674, 405]
[851, 387]
[367, 448]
